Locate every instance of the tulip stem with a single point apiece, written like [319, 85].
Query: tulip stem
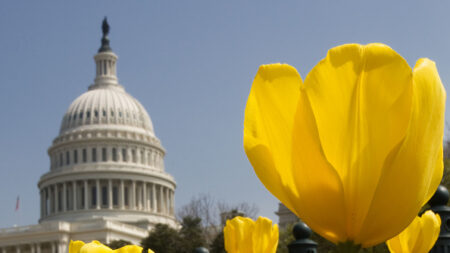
[347, 247]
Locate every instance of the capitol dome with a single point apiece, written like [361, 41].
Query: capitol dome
[107, 161]
[108, 105]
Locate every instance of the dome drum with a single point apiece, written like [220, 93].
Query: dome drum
[111, 153]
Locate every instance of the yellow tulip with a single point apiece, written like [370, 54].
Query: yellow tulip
[419, 237]
[97, 247]
[356, 150]
[243, 235]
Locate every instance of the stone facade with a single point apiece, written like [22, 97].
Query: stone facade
[285, 216]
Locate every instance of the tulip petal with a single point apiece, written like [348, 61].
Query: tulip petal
[265, 236]
[95, 247]
[238, 235]
[394, 245]
[75, 246]
[318, 183]
[361, 100]
[430, 228]
[129, 249]
[417, 161]
[268, 124]
[419, 237]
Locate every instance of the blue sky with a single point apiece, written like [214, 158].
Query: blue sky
[191, 64]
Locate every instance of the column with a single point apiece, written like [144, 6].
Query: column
[62, 247]
[129, 155]
[64, 200]
[172, 207]
[110, 195]
[154, 204]
[144, 195]
[18, 249]
[138, 155]
[74, 188]
[138, 197]
[32, 249]
[119, 154]
[143, 157]
[38, 247]
[4, 250]
[122, 195]
[161, 197]
[45, 200]
[97, 191]
[166, 209]
[42, 203]
[53, 247]
[89, 148]
[133, 195]
[86, 201]
[149, 158]
[169, 201]
[55, 193]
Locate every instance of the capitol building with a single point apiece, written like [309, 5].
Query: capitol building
[106, 179]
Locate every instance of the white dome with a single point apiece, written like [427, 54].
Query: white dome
[106, 105]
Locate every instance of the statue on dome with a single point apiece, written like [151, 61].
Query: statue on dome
[105, 27]
[105, 40]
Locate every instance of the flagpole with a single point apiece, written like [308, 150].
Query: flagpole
[17, 211]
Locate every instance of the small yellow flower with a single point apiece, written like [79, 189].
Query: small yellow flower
[356, 149]
[243, 235]
[97, 247]
[419, 237]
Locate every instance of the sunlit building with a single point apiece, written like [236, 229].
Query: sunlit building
[107, 179]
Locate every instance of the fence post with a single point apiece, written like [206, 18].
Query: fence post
[302, 243]
[201, 250]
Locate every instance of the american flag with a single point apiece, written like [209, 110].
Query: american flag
[17, 203]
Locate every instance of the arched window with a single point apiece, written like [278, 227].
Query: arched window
[104, 158]
[94, 196]
[114, 154]
[133, 154]
[67, 158]
[84, 155]
[126, 197]
[104, 196]
[115, 196]
[124, 155]
[94, 154]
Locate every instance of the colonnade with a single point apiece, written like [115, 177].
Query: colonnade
[71, 156]
[38, 247]
[106, 194]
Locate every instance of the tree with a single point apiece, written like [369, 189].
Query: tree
[218, 244]
[191, 234]
[201, 206]
[446, 176]
[162, 239]
[285, 237]
[211, 213]
[116, 244]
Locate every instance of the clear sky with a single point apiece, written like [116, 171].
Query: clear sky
[191, 64]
